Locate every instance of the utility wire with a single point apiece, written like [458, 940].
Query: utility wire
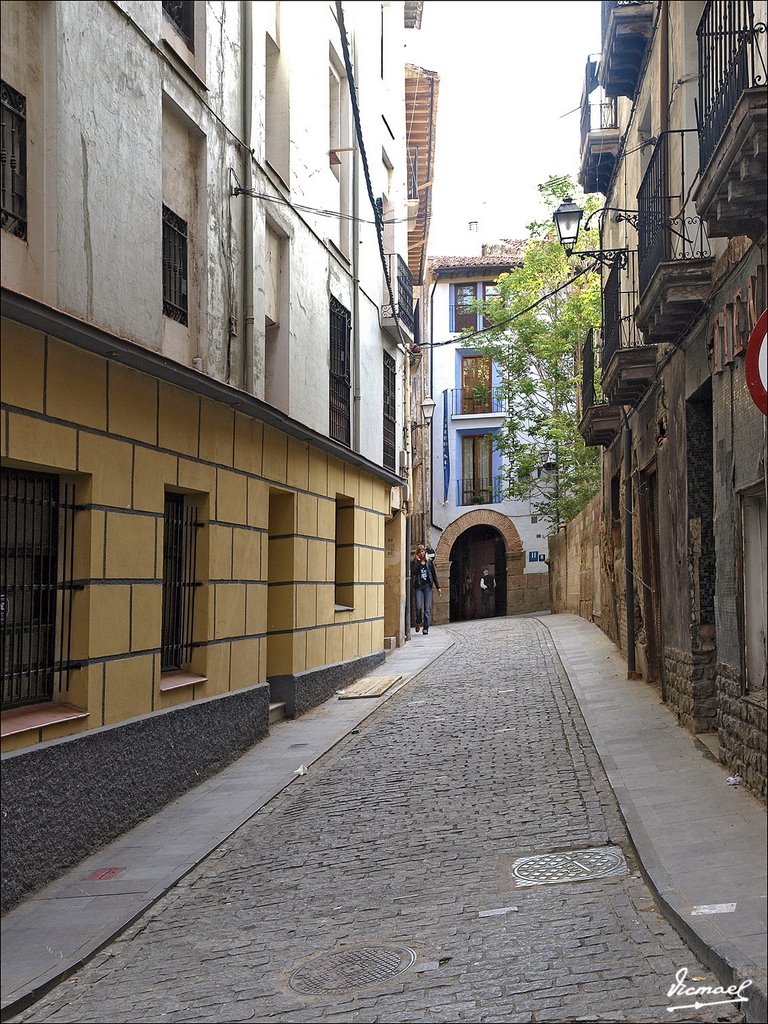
[515, 316]
[255, 194]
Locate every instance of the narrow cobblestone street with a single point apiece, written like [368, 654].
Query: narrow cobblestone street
[404, 835]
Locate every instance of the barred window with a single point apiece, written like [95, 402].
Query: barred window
[182, 14]
[37, 513]
[13, 161]
[390, 414]
[174, 266]
[340, 378]
[179, 581]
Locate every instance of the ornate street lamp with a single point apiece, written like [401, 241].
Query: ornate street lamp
[428, 410]
[567, 218]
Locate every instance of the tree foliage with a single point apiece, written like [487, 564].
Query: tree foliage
[542, 322]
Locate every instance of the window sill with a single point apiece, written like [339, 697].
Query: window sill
[38, 716]
[343, 607]
[186, 58]
[176, 680]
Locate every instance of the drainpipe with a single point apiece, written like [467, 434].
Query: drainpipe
[628, 555]
[431, 391]
[247, 99]
[356, 394]
[664, 67]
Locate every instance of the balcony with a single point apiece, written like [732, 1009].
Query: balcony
[629, 365]
[627, 28]
[733, 105]
[480, 492]
[674, 258]
[600, 422]
[478, 401]
[600, 135]
[399, 317]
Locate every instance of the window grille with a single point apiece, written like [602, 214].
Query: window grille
[13, 161]
[182, 14]
[340, 377]
[179, 581]
[37, 521]
[390, 414]
[174, 266]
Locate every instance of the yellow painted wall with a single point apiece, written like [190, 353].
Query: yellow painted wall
[124, 438]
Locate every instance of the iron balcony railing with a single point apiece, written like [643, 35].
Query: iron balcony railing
[401, 279]
[588, 372]
[668, 227]
[37, 557]
[478, 491]
[597, 115]
[731, 59]
[619, 302]
[466, 401]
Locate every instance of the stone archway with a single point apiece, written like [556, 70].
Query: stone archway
[515, 581]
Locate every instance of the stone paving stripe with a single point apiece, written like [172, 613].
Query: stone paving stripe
[714, 908]
[498, 912]
[369, 686]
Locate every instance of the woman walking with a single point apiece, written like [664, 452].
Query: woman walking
[424, 578]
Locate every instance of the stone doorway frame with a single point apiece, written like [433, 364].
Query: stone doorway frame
[441, 607]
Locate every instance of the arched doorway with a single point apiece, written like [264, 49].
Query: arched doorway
[478, 575]
[509, 588]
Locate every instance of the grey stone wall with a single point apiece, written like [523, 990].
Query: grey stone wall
[63, 800]
[742, 726]
[305, 690]
[689, 681]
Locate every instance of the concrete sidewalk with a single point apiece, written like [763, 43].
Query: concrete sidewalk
[701, 842]
[48, 936]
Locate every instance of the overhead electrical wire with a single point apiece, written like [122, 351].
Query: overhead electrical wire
[515, 316]
[255, 194]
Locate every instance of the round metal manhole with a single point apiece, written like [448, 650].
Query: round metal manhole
[571, 866]
[348, 969]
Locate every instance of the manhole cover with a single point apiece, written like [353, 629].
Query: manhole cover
[349, 969]
[570, 866]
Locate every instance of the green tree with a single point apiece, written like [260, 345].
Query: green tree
[542, 322]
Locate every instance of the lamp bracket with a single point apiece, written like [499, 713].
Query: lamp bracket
[606, 257]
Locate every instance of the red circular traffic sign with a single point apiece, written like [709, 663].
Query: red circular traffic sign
[756, 366]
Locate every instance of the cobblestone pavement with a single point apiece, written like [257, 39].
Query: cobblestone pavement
[404, 836]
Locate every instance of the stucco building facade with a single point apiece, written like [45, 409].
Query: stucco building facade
[205, 372]
[490, 550]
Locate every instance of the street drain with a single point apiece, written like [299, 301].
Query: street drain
[569, 866]
[349, 969]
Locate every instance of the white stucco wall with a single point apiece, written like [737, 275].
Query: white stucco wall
[97, 252]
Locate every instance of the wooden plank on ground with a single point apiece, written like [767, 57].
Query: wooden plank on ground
[369, 686]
